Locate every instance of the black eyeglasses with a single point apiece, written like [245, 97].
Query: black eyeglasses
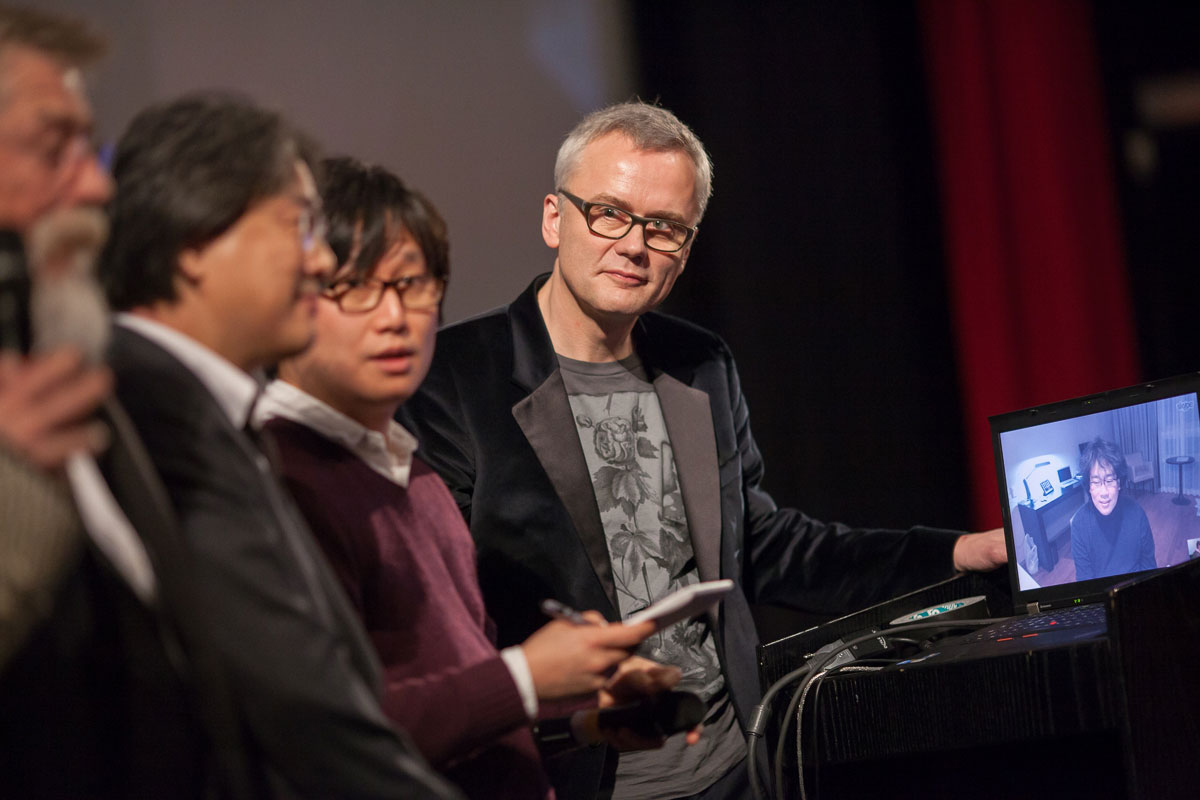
[416, 293]
[1108, 482]
[663, 235]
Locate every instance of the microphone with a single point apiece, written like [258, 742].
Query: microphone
[14, 294]
[653, 717]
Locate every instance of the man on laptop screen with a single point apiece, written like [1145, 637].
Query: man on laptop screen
[1110, 534]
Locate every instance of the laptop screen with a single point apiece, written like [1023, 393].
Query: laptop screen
[1100, 488]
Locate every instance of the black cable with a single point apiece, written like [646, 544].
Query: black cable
[904, 640]
[817, 662]
[794, 703]
[815, 665]
[758, 724]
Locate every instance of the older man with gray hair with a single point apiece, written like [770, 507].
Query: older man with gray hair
[49, 180]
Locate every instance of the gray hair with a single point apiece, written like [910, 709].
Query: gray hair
[66, 40]
[650, 127]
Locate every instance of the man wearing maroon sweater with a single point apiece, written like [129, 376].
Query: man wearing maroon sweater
[388, 524]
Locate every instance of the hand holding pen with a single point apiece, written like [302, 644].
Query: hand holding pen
[578, 652]
[557, 610]
[631, 680]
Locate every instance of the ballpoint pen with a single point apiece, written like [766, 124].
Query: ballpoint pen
[558, 610]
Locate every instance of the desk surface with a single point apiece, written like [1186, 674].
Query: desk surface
[1068, 488]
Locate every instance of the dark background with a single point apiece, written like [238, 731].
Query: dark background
[1142, 45]
[820, 257]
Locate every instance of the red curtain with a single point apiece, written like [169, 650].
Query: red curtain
[1037, 279]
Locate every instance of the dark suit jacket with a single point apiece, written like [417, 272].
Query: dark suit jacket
[494, 419]
[129, 690]
[93, 705]
[300, 666]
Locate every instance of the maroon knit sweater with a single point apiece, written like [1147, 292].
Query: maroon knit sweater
[407, 562]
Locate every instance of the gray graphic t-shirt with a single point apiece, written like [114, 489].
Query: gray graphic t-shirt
[632, 468]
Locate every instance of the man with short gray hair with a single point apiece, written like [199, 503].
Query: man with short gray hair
[602, 455]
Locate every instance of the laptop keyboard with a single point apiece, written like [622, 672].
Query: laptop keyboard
[1023, 626]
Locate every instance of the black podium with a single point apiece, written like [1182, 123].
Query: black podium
[1111, 717]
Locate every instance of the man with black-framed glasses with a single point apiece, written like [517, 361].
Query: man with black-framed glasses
[613, 222]
[601, 453]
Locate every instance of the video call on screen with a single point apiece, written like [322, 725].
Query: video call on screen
[1160, 444]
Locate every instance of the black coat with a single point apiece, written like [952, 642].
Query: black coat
[113, 696]
[494, 419]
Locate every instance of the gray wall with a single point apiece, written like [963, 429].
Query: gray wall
[466, 101]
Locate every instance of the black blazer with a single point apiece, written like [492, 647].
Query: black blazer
[130, 690]
[494, 419]
[94, 706]
[301, 669]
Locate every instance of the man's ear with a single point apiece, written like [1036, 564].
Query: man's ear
[550, 220]
[191, 265]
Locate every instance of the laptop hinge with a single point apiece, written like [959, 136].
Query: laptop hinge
[1033, 608]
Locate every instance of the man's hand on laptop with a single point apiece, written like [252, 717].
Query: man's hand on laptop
[980, 552]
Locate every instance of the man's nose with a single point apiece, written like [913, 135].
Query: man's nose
[319, 260]
[90, 185]
[633, 244]
[392, 312]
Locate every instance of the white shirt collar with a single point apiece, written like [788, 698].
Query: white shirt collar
[233, 388]
[390, 455]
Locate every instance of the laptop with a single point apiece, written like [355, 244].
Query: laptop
[1074, 533]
